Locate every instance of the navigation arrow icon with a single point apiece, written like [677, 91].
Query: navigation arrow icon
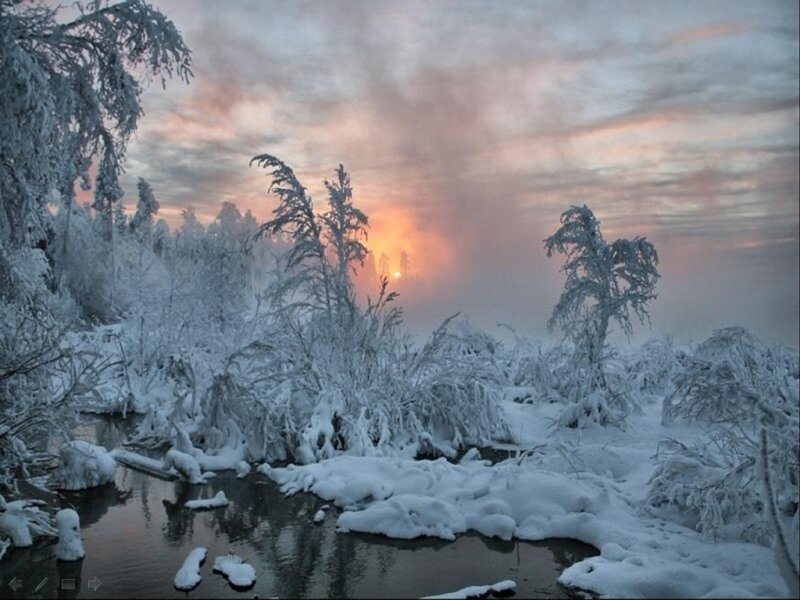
[94, 584]
[15, 584]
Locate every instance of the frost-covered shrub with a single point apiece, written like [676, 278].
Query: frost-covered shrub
[716, 382]
[652, 366]
[330, 376]
[698, 488]
[83, 466]
[736, 387]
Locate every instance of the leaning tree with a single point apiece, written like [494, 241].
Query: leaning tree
[605, 283]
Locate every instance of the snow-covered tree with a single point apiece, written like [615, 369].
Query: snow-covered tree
[146, 209]
[604, 283]
[70, 93]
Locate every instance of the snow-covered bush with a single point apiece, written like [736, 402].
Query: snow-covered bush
[652, 366]
[328, 375]
[83, 466]
[736, 387]
[23, 521]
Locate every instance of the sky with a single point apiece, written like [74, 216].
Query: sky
[468, 127]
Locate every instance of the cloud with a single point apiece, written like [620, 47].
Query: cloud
[469, 127]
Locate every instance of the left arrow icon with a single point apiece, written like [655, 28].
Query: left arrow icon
[15, 584]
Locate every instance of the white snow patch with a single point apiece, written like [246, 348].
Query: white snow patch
[70, 546]
[217, 501]
[188, 576]
[319, 516]
[476, 591]
[641, 556]
[83, 466]
[185, 464]
[242, 469]
[239, 573]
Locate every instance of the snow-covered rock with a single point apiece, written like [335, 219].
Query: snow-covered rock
[239, 573]
[188, 576]
[478, 591]
[217, 501]
[83, 466]
[185, 465]
[319, 516]
[70, 546]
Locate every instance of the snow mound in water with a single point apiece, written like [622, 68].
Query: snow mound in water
[640, 556]
[238, 572]
[188, 576]
[83, 466]
[477, 591]
[70, 546]
[185, 465]
[216, 502]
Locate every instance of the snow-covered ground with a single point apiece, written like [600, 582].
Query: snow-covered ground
[587, 485]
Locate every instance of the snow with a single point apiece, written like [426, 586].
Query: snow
[477, 591]
[70, 546]
[242, 469]
[217, 501]
[188, 576]
[144, 463]
[23, 520]
[319, 516]
[239, 573]
[587, 485]
[83, 466]
[185, 465]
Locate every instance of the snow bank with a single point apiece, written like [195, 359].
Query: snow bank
[239, 573]
[640, 556]
[188, 576]
[476, 591]
[70, 546]
[83, 466]
[216, 502]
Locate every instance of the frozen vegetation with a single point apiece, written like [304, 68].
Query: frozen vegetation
[241, 342]
[84, 465]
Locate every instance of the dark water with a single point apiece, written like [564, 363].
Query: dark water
[136, 535]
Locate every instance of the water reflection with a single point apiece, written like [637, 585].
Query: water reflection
[137, 533]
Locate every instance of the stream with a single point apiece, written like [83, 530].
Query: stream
[137, 533]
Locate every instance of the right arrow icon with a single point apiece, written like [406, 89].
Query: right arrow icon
[94, 583]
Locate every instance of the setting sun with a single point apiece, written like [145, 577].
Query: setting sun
[397, 274]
